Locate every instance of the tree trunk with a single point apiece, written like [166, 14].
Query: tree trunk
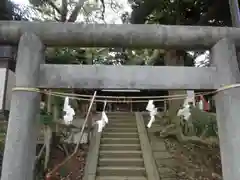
[5, 13]
[173, 58]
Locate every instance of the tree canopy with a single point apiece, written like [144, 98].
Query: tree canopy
[173, 12]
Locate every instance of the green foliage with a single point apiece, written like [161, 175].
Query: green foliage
[59, 101]
[45, 117]
[46, 9]
[66, 56]
[3, 133]
[177, 12]
[163, 12]
[63, 171]
[204, 122]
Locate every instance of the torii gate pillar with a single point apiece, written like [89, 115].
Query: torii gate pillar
[20, 147]
[223, 56]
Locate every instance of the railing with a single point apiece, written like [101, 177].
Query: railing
[50, 174]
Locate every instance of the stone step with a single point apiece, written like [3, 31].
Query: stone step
[120, 154]
[120, 134]
[122, 125]
[127, 119]
[120, 147]
[121, 178]
[121, 129]
[121, 117]
[120, 171]
[121, 113]
[136, 162]
[120, 140]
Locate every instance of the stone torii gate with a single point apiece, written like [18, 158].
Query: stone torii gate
[31, 72]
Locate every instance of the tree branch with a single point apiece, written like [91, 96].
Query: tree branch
[103, 11]
[211, 13]
[64, 10]
[76, 10]
[154, 57]
[53, 5]
[139, 14]
[174, 130]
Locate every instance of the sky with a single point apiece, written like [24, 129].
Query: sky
[21, 2]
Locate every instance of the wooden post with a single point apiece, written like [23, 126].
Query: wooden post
[48, 132]
[20, 147]
[89, 126]
[165, 106]
[131, 105]
[224, 58]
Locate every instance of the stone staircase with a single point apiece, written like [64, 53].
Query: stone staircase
[120, 154]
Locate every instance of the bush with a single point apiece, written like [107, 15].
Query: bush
[204, 122]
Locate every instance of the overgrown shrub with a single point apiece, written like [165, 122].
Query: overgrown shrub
[204, 123]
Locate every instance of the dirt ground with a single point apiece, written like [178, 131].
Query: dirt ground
[195, 162]
[73, 169]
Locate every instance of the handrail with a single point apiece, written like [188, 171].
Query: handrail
[48, 176]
